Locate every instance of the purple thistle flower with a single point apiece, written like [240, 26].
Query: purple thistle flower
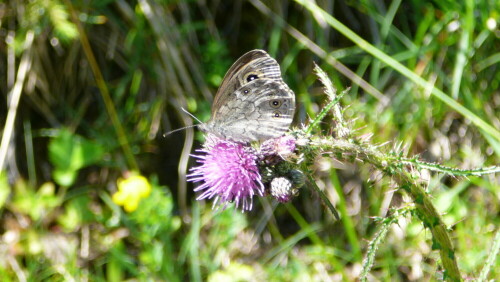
[275, 150]
[282, 146]
[229, 172]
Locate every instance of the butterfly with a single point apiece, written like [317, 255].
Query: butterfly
[253, 102]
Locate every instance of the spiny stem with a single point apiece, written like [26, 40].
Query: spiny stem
[322, 114]
[379, 237]
[346, 150]
[448, 170]
[495, 249]
[395, 166]
[341, 129]
[322, 195]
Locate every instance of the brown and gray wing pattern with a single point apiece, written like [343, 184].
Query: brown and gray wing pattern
[261, 110]
[253, 102]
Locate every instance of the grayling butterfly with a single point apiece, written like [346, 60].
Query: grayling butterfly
[253, 102]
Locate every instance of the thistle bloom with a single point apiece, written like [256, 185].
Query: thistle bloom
[282, 146]
[229, 173]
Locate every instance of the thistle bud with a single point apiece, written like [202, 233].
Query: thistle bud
[297, 178]
[281, 189]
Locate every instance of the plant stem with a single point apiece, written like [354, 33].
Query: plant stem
[423, 204]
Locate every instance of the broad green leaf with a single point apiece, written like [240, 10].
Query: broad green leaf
[70, 152]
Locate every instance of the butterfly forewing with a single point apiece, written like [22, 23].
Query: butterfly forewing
[253, 103]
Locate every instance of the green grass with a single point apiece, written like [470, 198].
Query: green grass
[100, 82]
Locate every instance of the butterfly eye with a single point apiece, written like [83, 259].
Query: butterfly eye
[275, 104]
[276, 114]
[246, 91]
[252, 77]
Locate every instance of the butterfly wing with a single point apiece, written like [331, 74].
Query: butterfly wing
[253, 103]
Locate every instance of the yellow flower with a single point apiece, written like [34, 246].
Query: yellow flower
[130, 191]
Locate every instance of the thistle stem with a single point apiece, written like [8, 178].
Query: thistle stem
[426, 211]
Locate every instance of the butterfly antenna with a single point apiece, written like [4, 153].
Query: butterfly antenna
[179, 129]
[191, 115]
[185, 127]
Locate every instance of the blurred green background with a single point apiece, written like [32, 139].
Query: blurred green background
[90, 87]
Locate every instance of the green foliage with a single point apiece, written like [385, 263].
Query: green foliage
[153, 226]
[69, 153]
[42, 14]
[4, 189]
[37, 204]
[75, 213]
